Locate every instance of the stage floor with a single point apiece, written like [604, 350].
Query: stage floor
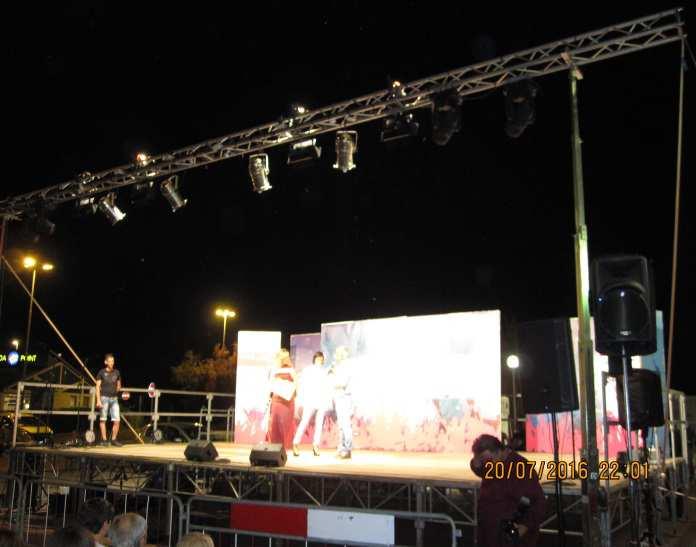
[434, 468]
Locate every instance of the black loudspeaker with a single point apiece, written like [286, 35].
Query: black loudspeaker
[623, 305]
[645, 398]
[268, 455]
[201, 451]
[547, 367]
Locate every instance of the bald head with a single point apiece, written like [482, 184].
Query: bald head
[128, 530]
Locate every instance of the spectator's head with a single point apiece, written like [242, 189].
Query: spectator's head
[9, 538]
[196, 539]
[71, 536]
[318, 358]
[486, 449]
[96, 515]
[128, 530]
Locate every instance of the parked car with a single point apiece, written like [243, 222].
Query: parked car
[32, 425]
[6, 430]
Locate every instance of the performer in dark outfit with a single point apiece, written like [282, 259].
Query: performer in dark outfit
[283, 389]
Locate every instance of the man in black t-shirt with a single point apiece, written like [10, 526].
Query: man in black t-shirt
[108, 386]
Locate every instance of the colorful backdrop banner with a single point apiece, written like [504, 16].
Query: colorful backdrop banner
[428, 383]
[255, 360]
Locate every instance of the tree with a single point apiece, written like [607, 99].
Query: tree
[214, 373]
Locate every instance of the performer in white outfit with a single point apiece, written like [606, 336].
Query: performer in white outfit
[315, 398]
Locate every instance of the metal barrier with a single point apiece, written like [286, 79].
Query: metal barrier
[35, 497]
[155, 415]
[11, 491]
[420, 519]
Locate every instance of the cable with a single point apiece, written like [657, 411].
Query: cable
[675, 244]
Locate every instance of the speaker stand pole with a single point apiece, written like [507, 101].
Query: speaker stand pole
[648, 491]
[635, 525]
[559, 487]
[588, 414]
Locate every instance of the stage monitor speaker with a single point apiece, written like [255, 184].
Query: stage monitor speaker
[201, 451]
[547, 367]
[268, 455]
[645, 398]
[622, 300]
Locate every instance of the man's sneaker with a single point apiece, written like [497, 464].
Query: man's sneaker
[116, 443]
[104, 443]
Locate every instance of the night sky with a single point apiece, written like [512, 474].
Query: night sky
[483, 223]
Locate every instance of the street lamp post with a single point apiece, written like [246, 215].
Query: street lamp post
[513, 363]
[224, 313]
[30, 263]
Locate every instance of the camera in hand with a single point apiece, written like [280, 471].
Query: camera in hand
[509, 526]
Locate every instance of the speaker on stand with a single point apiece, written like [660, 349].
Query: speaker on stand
[547, 366]
[623, 306]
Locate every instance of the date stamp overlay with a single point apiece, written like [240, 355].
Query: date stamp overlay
[550, 470]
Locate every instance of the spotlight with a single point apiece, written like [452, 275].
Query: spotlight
[346, 146]
[170, 191]
[142, 159]
[88, 205]
[259, 171]
[85, 177]
[519, 106]
[397, 127]
[298, 110]
[446, 116]
[107, 205]
[301, 152]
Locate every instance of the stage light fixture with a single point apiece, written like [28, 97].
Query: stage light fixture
[519, 106]
[446, 117]
[85, 177]
[302, 152]
[107, 205]
[346, 147]
[513, 361]
[258, 171]
[170, 191]
[88, 205]
[399, 126]
[142, 159]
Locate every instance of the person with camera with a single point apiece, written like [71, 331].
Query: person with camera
[511, 503]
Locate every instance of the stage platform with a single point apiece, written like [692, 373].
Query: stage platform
[439, 469]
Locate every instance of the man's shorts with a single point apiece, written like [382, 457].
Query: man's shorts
[110, 408]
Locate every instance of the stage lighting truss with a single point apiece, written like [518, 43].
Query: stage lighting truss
[170, 191]
[258, 171]
[304, 151]
[346, 147]
[571, 53]
[446, 117]
[107, 205]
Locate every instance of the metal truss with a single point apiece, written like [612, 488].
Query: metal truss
[599, 45]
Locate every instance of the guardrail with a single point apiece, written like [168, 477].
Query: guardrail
[42, 486]
[155, 415]
[358, 532]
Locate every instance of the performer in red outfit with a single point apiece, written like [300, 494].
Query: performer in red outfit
[500, 496]
[283, 389]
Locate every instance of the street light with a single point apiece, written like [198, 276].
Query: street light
[224, 313]
[30, 263]
[513, 363]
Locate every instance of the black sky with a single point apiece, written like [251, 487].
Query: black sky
[486, 222]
